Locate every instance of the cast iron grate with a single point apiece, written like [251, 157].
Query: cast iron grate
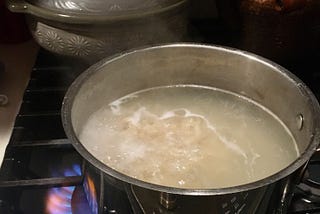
[38, 151]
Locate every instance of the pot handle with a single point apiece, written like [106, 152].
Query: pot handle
[18, 6]
[22, 6]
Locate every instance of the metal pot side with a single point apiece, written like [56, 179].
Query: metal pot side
[183, 63]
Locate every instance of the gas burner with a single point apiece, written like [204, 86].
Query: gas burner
[79, 203]
[84, 197]
[59, 198]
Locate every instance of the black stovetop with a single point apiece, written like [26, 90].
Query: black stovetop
[39, 156]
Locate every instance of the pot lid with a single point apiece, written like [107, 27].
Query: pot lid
[99, 7]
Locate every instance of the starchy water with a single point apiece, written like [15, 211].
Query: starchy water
[189, 136]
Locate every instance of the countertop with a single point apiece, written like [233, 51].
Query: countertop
[17, 60]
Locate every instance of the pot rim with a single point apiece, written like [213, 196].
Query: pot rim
[299, 162]
[64, 16]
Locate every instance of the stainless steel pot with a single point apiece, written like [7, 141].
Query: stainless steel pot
[94, 29]
[250, 75]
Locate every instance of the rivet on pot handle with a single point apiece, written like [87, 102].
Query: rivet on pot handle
[21, 6]
[299, 121]
[18, 6]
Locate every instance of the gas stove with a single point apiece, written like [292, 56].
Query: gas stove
[42, 172]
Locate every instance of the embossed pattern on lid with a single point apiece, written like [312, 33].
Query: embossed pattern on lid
[98, 7]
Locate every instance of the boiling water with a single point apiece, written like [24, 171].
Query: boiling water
[189, 137]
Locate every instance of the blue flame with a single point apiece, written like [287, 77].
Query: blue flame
[91, 194]
[69, 173]
[65, 192]
[77, 169]
[59, 198]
